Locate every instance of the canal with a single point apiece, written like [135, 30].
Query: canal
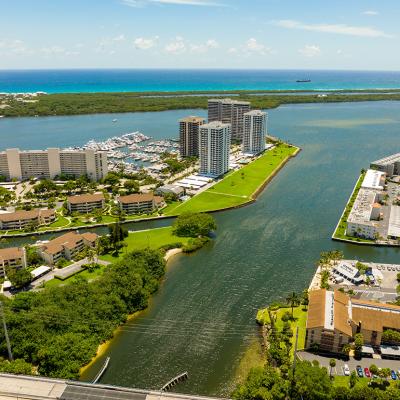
[202, 318]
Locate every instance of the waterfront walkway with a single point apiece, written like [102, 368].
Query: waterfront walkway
[36, 388]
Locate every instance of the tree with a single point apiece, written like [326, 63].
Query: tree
[19, 278]
[332, 364]
[194, 225]
[131, 186]
[111, 179]
[353, 379]
[358, 343]
[305, 298]
[117, 234]
[373, 369]
[346, 350]
[311, 382]
[293, 300]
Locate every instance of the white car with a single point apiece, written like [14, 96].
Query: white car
[346, 370]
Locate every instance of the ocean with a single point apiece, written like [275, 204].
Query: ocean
[138, 80]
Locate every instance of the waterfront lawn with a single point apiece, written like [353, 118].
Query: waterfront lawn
[60, 222]
[340, 232]
[152, 238]
[237, 187]
[89, 275]
[300, 315]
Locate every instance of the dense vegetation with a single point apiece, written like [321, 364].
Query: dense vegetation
[59, 329]
[90, 103]
[194, 225]
[309, 382]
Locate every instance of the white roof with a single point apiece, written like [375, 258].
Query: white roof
[349, 271]
[373, 180]
[390, 350]
[40, 270]
[388, 160]
[394, 221]
[362, 207]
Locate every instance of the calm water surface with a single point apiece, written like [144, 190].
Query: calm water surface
[202, 318]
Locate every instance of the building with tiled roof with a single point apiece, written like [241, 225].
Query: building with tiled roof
[12, 257]
[22, 218]
[66, 246]
[334, 318]
[140, 203]
[86, 203]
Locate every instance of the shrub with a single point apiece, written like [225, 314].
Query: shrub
[194, 244]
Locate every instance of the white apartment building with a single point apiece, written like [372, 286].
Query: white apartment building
[230, 112]
[374, 180]
[390, 165]
[214, 148]
[255, 129]
[25, 164]
[364, 214]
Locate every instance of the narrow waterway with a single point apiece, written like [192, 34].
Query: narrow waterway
[202, 318]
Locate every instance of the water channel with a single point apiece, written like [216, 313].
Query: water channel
[202, 318]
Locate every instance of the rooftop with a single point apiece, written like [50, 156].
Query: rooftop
[362, 207]
[373, 180]
[387, 160]
[215, 125]
[136, 198]
[394, 221]
[11, 253]
[25, 215]
[86, 198]
[68, 240]
[192, 118]
[229, 101]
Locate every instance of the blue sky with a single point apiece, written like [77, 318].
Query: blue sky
[289, 34]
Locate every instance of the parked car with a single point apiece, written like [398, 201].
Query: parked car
[346, 370]
[367, 373]
[359, 371]
[393, 374]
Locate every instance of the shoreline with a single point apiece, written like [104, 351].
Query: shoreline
[253, 198]
[103, 347]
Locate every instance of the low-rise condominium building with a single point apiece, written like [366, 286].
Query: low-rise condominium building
[189, 136]
[334, 319]
[86, 203]
[22, 219]
[66, 246]
[366, 210]
[140, 203]
[374, 180]
[53, 162]
[12, 257]
[230, 112]
[214, 148]
[390, 165]
[254, 132]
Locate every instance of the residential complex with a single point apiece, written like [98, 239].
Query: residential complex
[390, 165]
[214, 148]
[364, 214]
[375, 213]
[50, 163]
[86, 203]
[230, 112]
[12, 257]
[189, 136]
[334, 318]
[140, 203]
[254, 131]
[66, 246]
[22, 219]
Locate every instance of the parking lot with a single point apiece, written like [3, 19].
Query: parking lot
[352, 363]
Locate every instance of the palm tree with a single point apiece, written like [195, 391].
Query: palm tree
[332, 364]
[293, 300]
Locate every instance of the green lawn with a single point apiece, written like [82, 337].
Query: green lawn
[153, 238]
[340, 232]
[84, 274]
[236, 187]
[300, 315]
[60, 222]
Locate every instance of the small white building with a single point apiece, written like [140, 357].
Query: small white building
[374, 180]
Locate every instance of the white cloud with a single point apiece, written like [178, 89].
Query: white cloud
[15, 47]
[143, 3]
[203, 48]
[341, 29]
[310, 50]
[232, 50]
[57, 51]
[142, 43]
[370, 12]
[253, 46]
[178, 46]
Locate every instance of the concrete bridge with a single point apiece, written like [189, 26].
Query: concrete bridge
[22, 387]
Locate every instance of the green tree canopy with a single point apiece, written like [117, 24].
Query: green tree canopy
[194, 224]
